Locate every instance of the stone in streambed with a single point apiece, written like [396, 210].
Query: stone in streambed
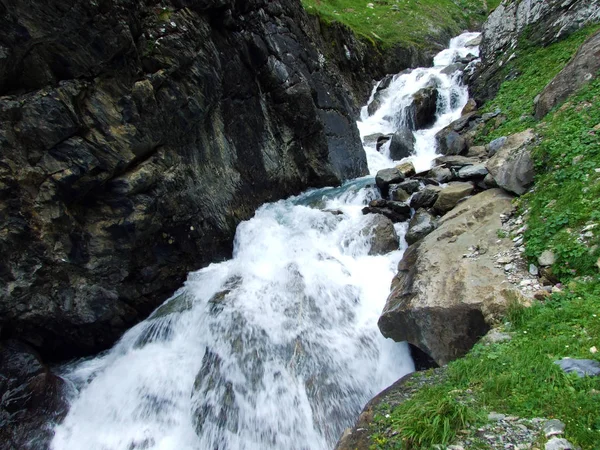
[407, 169]
[449, 196]
[410, 186]
[398, 194]
[441, 174]
[385, 177]
[477, 171]
[419, 226]
[395, 211]
[383, 236]
[421, 112]
[425, 198]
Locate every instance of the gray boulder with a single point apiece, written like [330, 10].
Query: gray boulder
[402, 144]
[382, 235]
[395, 211]
[512, 165]
[441, 174]
[582, 367]
[419, 226]
[425, 198]
[582, 68]
[421, 112]
[451, 143]
[385, 177]
[474, 172]
[410, 186]
[445, 311]
[449, 196]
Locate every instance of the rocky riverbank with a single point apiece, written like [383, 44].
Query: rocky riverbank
[463, 277]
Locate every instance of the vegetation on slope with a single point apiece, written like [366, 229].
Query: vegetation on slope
[408, 22]
[519, 377]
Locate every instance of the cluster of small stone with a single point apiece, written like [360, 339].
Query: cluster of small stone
[513, 433]
[533, 281]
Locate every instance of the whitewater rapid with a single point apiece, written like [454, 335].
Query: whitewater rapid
[277, 348]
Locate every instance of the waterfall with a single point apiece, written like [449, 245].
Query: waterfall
[277, 348]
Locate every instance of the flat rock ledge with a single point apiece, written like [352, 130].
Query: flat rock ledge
[449, 288]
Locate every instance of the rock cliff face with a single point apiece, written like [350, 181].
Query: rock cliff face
[135, 136]
[544, 21]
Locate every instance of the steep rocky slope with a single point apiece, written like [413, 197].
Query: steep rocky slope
[135, 136]
[542, 21]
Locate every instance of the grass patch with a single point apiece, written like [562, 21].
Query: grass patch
[518, 377]
[528, 73]
[408, 22]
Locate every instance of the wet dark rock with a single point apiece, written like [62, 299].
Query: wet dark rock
[402, 144]
[381, 140]
[385, 177]
[395, 211]
[130, 149]
[421, 112]
[450, 142]
[456, 67]
[383, 237]
[410, 186]
[441, 174]
[31, 398]
[419, 226]
[425, 198]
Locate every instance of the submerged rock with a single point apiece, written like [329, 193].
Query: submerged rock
[402, 144]
[395, 211]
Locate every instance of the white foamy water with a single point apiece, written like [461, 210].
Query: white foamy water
[277, 348]
[452, 98]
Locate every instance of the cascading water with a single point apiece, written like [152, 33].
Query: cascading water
[277, 348]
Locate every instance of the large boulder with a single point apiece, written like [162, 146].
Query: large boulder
[132, 146]
[421, 113]
[512, 166]
[381, 233]
[402, 144]
[31, 398]
[448, 288]
[582, 68]
[450, 195]
[451, 143]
